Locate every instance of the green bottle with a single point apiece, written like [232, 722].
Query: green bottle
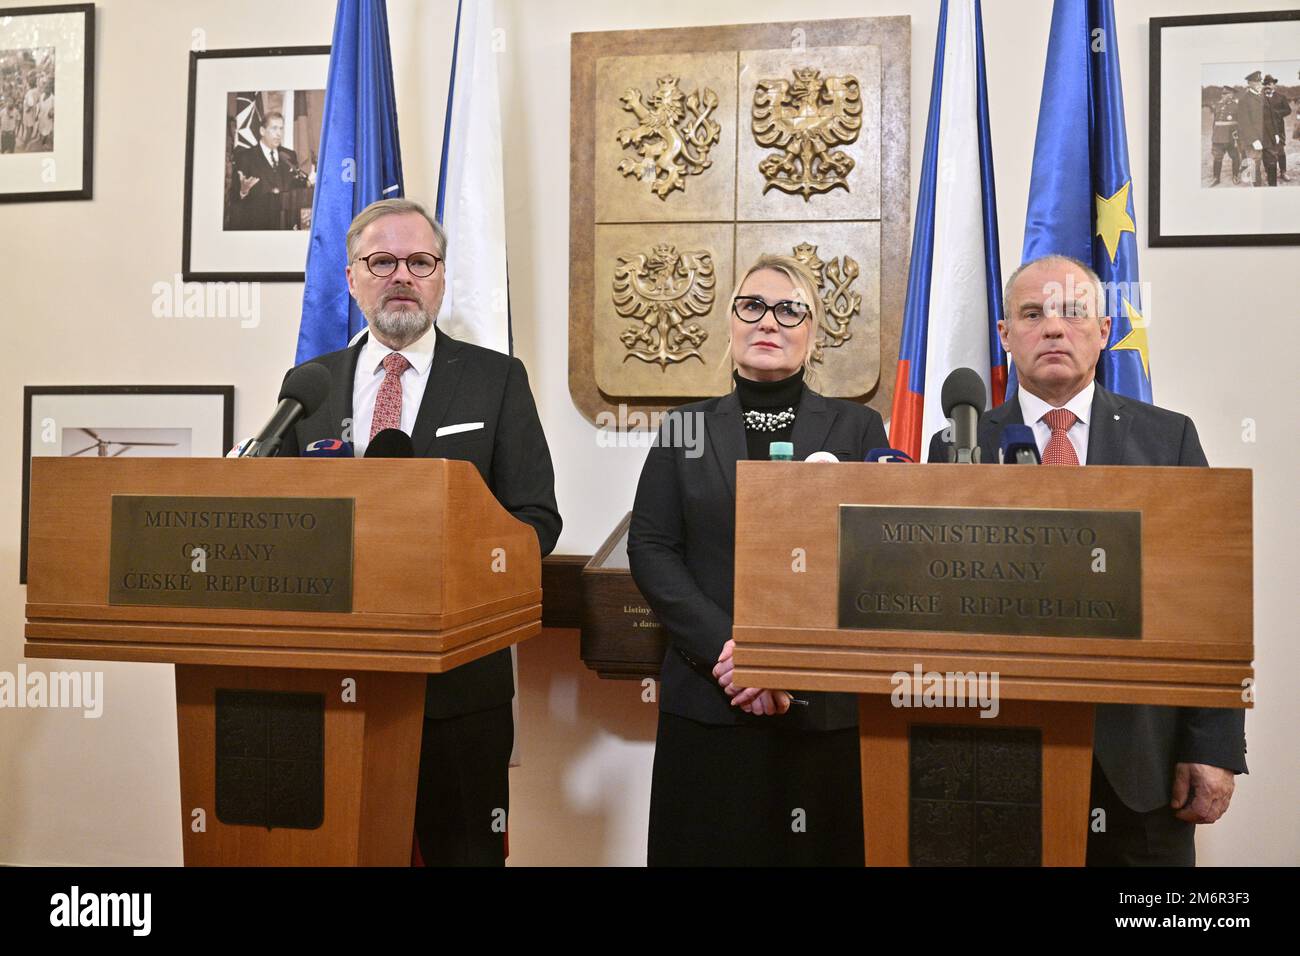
[781, 451]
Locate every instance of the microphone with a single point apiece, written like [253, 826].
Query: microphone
[390, 443]
[1018, 446]
[888, 455]
[963, 400]
[303, 392]
[238, 450]
[328, 448]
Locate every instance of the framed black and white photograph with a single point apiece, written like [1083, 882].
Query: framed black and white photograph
[1225, 141]
[251, 147]
[122, 421]
[47, 102]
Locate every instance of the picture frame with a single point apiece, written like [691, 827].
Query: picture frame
[194, 421]
[47, 154]
[250, 183]
[1206, 118]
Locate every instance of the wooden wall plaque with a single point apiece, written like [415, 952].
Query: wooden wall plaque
[692, 151]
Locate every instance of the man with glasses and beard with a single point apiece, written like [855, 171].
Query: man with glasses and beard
[405, 373]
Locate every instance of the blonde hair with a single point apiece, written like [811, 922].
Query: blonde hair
[807, 290]
[393, 207]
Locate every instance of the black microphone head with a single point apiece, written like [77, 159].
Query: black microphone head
[308, 385]
[390, 443]
[963, 386]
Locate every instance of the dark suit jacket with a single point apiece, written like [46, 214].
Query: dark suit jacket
[1138, 745]
[466, 384]
[1276, 107]
[1251, 120]
[681, 546]
[260, 209]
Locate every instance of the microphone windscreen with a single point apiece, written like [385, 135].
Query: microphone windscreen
[328, 448]
[963, 386]
[308, 385]
[390, 443]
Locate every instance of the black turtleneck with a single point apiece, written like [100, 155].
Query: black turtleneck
[768, 397]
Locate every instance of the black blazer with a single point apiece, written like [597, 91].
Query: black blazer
[466, 384]
[682, 539]
[260, 209]
[1138, 745]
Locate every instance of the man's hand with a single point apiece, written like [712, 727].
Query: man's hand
[1211, 791]
[246, 183]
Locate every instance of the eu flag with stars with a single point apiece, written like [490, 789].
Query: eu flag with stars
[360, 162]
[1081, 192]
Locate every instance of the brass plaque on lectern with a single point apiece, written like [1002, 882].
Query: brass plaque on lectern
[266, 554]
[1056, 573]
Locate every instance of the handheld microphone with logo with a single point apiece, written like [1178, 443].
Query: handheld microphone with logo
[328, 448]
[390, 443]
[1018, 446]
[304, 390]
[963, 400]
[238, 450]
[888, 455]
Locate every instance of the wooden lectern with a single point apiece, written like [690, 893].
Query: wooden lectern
[437, 574]
[1188, 641]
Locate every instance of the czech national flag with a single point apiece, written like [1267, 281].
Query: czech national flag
[954, 287]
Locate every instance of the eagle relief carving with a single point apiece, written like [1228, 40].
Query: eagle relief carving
[673, 136]
[834, 280]
[662, 291]
[806, 120]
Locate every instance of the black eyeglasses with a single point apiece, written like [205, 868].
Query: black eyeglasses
[788, 314]
[419, 264]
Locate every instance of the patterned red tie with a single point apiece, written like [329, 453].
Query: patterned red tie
[1059, 450]
[388, 403]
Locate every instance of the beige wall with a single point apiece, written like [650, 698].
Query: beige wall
[105, 791]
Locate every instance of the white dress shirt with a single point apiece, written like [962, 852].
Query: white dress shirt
[272, 156]
[1033, 408]
[370, 375]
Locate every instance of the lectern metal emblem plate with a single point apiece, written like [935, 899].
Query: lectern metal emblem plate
[266, 554]
[1045, 572]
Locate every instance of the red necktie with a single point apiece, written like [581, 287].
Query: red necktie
[388, 402]
[1059, 450]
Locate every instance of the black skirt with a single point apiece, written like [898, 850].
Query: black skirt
[754, 795]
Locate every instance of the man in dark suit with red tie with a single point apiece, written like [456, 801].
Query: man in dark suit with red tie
[1157, 771]
[264, 175]
[455, 400]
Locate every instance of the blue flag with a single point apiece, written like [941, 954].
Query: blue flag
[360, 162]
[1081, 192]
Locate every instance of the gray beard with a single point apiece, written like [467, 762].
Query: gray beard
[401, 327]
